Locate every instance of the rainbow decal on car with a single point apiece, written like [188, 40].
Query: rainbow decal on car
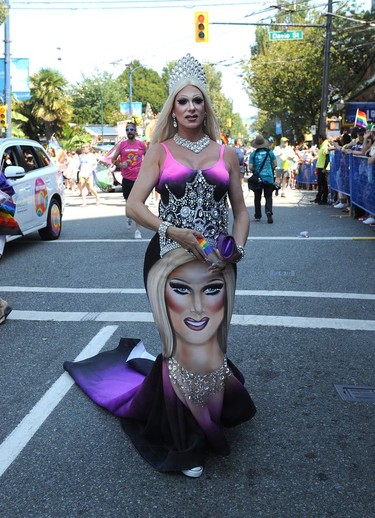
[55, 219]
[41, 197]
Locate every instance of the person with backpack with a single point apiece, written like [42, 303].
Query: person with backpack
[262, 163]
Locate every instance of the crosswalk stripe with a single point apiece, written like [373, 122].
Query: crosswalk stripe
[142, 291]
[12, 446]
[240, 320]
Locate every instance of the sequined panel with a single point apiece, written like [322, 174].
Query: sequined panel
[196, 209]
[198, 387]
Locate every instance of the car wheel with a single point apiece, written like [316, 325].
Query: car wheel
[54, 221]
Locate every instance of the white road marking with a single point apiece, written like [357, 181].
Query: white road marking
[241, 320]
[12, 446]
[142, 291]
[347, 324]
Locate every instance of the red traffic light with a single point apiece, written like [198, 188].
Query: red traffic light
[201, 27]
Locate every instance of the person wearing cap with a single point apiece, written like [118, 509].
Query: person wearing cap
[262, 162]
[322, 170]
[131, 153]
[285, 156]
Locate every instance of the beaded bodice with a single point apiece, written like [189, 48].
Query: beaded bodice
[194, 199]
[197, 208]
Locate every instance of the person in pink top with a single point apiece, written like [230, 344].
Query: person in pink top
[131, 153]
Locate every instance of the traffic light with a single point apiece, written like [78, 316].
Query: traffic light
[3, 116]
[201, 27]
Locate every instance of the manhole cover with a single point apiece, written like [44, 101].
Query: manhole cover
[282, 273]
[356, 393]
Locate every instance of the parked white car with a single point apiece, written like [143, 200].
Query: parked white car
[38, 184]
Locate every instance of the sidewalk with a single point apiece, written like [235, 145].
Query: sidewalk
[303, 199]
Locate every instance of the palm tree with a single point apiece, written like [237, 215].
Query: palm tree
[50, 102]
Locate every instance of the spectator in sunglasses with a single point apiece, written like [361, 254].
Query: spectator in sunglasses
[131, 153]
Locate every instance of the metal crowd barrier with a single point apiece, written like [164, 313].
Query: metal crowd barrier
[349, 174]
[306, 174]
[352, 176]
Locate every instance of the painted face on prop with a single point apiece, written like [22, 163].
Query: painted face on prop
[195, 300]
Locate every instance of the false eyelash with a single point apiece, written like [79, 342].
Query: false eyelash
[197, 100]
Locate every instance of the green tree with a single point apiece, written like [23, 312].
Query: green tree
[96, 100]
[147, 86]
[49, 106]
[284, 79]
[3, 12]
[73, 136]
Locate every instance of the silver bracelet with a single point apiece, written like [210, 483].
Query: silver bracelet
[162, 230]
[242, 251]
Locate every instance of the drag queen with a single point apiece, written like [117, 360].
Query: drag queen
[174, 407]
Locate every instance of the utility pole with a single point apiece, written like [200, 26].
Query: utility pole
[327, 48]
[131, 72]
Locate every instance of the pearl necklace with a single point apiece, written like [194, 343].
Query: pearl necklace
[196, 147]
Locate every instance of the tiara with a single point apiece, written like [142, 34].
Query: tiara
[187, 68]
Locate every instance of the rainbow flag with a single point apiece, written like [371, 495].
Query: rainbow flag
[205, 245]
[360, 119]
[224, 138]
[8, 225]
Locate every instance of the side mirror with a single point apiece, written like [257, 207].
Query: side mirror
[14, 171]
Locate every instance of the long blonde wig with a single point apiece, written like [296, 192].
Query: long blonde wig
[156, 286]
[164, 129]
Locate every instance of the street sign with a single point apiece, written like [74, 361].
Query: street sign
[285, 35]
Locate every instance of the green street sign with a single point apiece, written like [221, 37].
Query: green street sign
[285, 35]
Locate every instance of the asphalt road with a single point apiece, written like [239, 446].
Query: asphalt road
[303, 322]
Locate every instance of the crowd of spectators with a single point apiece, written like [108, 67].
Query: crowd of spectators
[292, 160]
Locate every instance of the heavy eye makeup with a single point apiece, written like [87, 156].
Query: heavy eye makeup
[183, 289]
[196, 100]
[213, 289]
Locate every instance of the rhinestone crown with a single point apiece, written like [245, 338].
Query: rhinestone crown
[187, 68]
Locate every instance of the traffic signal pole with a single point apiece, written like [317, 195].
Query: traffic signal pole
[327, 49]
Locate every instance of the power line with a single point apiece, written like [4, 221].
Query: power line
[271, 24]
[120, 4]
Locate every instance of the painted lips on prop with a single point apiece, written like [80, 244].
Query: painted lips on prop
[41, 197]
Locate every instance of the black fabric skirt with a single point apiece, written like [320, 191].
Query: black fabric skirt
[160, 426]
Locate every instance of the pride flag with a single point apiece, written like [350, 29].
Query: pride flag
[8, 225]
[224, 138]
[360, 119]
